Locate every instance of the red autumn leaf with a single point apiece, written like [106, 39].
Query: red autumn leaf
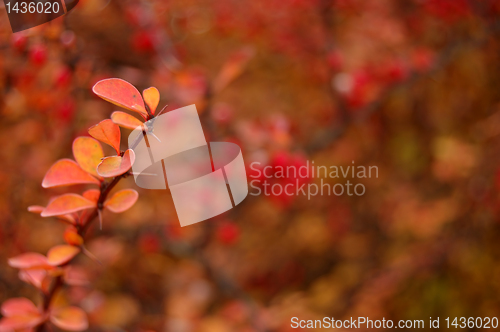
[61, 254]
[233, 67]
[33, 277]
[152, 98]
[65, 204]
[18, 306]
[120, 93]
[67, 217]
[20, 322]
[70, 218]
[70, 319]
[92, 195]
[29, 260]
[107, 132]
[114, 166]
[121, 200]
[125, 120]
[88, 154]
[72, 237]
[46, 285]
[36, 208]
[66, 172]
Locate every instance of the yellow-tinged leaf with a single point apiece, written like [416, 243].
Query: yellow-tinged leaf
[152, 98]
[66, 172]
[88, 154]
[29, 260]
[120, 93]
[121, 200]
[61, 254]
[70, 319]
[125, 120]
[114, 166]
[67, 203]
[107, 132]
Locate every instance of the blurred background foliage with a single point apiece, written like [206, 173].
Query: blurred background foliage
[408, 86]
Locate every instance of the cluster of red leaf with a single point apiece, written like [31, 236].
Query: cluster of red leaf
[48, 273]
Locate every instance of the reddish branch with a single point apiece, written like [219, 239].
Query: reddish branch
[82, 227]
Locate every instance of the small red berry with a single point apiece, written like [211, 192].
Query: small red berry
[142, 42]
[19, 41]
[63, 77]
[38, 55]
[66, 110]
[422, 59]
[228, 233]
[396, 72]
[149, 243]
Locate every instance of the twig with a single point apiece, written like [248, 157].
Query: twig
[58, 281]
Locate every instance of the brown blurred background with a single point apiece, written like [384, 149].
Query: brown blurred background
[409, 86]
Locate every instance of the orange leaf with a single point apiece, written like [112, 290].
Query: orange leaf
[120, 93]
[88, 154]
[67, 203]
[18, 306]
[72, 237]
[29, 260]
[122, 200]
[107, 132]
[125, 120]
[70, 319]
[92, 195]
[152, 98]
[66, 172]
[233, 67]
[114, 166]
[61, 254]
